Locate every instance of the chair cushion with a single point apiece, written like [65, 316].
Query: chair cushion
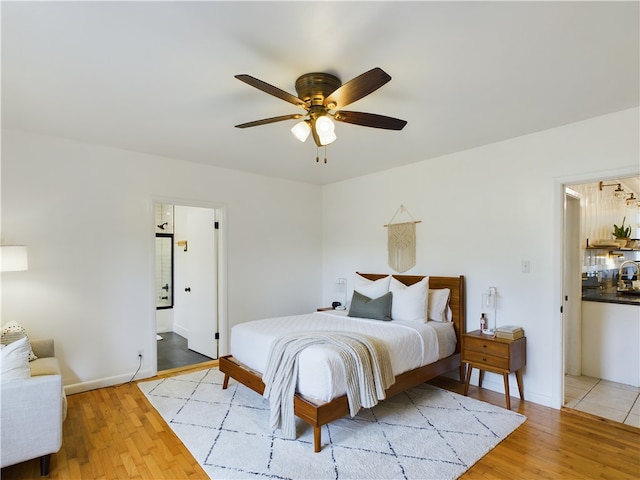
[45, 366]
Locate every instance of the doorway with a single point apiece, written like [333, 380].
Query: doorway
[188, 322]
[592, 329]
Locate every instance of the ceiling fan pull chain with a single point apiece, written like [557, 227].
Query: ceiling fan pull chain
[317, 155]
[325, 154]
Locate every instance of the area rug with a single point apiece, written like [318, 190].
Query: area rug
[424, 433]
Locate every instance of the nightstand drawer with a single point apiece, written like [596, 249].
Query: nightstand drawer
[482, 345]
[482, 358]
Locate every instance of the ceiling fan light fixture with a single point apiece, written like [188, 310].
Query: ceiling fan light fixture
[327, 138]
[301, 130]
[324, 125]
[325, 130]
[318, 93]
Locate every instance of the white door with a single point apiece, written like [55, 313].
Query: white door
[199, 296]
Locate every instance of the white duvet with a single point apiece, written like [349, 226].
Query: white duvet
[320, 374]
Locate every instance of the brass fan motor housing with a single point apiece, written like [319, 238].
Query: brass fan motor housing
[313, 88]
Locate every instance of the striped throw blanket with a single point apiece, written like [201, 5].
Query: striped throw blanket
[366, 363]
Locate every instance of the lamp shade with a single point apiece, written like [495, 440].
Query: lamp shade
[325, 130]
[327, 138]
[13, 258]
[301, 130]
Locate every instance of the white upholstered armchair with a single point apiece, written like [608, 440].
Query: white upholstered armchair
[33, 410]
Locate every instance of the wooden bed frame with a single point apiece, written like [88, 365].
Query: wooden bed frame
[318, 414]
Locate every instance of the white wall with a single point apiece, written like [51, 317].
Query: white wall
[86, 214]
[483, 212]
[164, 320]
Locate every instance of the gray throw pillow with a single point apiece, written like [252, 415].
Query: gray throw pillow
[376, 308]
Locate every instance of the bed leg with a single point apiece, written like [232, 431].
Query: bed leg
[225, 382]
[317, 439]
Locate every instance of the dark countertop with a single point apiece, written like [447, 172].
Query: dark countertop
[609, 295]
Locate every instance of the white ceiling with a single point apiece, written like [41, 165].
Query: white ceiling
[158, 77]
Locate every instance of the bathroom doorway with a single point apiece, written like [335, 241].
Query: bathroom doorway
[188, 284]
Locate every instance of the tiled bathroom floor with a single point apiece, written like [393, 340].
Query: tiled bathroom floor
[614, 401]
[173, 352]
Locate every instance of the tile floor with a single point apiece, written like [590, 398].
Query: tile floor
[603, 398]
[173, 352]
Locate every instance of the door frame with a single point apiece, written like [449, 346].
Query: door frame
[557, 333]
[223, 320]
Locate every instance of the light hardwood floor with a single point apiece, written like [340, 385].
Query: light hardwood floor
[114, 433]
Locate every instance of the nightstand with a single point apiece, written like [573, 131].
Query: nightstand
[496, 355]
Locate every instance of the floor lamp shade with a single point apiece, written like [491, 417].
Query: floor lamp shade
[13, 258]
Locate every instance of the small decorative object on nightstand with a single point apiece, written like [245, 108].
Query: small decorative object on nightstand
[496, 355]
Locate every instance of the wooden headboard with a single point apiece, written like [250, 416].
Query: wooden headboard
[457, 300]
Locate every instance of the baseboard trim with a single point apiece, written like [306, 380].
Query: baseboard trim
[495, 383]
[183, 332]
[106, 382]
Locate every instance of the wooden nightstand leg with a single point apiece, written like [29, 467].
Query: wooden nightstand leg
[480, 377]
[506, 390]
[466, 383]
[520, 387]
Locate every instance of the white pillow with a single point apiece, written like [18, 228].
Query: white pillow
[438, 305]
[15, 361]
[371, 288]
[409, 302]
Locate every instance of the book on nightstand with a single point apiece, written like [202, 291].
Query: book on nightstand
[510, 332]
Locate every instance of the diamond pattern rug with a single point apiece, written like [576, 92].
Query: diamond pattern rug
[424, 433]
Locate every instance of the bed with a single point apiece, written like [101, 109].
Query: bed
[319, 408]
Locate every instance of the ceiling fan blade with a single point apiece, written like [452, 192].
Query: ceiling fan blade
[355, 89]
[370, 120]
[265, 121]
[271, 90]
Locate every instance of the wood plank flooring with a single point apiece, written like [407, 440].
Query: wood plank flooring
[556, 444]
[114, 433]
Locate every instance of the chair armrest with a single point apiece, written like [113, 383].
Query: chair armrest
[31, 418]
[43, 348]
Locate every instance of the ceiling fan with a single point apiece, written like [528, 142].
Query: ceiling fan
[320, 94]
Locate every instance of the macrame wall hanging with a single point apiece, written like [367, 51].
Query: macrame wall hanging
[401, 242]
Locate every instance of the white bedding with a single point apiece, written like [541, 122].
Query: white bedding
[320, 374]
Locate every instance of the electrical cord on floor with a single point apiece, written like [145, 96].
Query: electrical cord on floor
[139, 366]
